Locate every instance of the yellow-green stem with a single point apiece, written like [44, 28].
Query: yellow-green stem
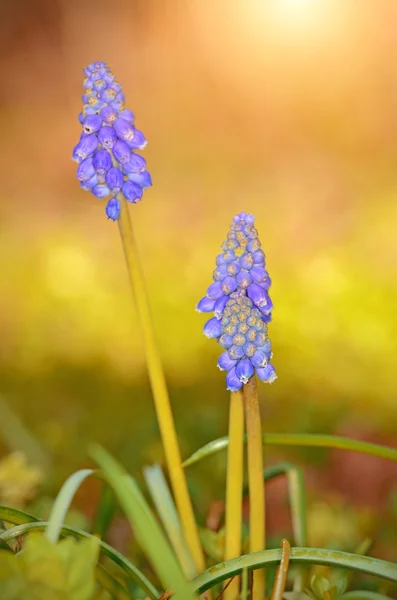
[234, 487]
[282, 572]
[160, 392]
[256, 485]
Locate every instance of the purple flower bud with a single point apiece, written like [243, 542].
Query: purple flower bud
[257, 294]
[267, 374]
[109, 115]
[136, 164]
[99, 85]
[267, 305]
[95, 104]
[225, 363]
[100, 191]
[88, 185]
[219, 260]
[110, 93]
[233, 384]
[228, 257]
[124, 129]
[85, 148]
[132, 192]
[261, 338]
[220, 273]
[205, 305]
[113, 209]
[212, 328]
[108, 77]
[229, 285]
[266, 317]
[253, 245]
[259, 359]
[236, 352]
[138, 142]
[266, 348]
[249, 219]
[89, 93]
[114, 179]
[107, 137]
[118, 103]
[244, 279]
[226, 341]
[128, 115]
[259, 258]
[220, 306]
[81, 118]
[266, 284]
[244, 370]
[89, 110]
[259, 274]
[215, 291]
[143, 179]
[233, 268]
[102, 161]
[92, 124]
[85, 170]
[121, 152]
[249, 349]
[247, 261]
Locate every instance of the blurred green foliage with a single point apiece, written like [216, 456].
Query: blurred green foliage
[49, 572]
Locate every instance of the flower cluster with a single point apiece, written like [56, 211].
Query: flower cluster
[240, 301]
[106, 152]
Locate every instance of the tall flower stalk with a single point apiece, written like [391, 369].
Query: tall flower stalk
[110, 166]
[242, 308]
[257, 519]
[234, 487]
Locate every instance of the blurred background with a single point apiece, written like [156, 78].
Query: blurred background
[283, 108]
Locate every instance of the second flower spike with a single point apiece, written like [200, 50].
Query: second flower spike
[239, 299]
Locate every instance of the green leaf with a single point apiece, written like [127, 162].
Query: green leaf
[296, 596]
[168, 514]
[147, 531]
[320, 585]
[131, 571]
[308, 556]
[363, 595]
[14, 516]
[63, 502]
[105, 512]
[298, 439]
[213, 543]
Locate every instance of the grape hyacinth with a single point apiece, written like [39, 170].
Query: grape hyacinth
[106, 152]
[239, 299]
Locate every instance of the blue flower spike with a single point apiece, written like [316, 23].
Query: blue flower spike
[240, 302]
[108, 164]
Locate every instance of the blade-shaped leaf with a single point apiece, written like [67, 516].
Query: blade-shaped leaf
[299, 439]
[63, 502]
[317, 556]
[147, 531]
[167, 512]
